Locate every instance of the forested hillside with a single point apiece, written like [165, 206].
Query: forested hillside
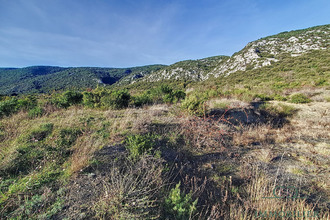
[43, 79]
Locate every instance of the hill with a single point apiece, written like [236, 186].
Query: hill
[184, 70]
[191, 140]
[263, 52]
[272, 51]
[42, 79]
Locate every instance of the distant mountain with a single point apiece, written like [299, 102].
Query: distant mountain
[40, 79]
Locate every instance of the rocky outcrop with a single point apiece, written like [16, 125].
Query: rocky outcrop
[256, 54]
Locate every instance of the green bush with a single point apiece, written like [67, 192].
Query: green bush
[27, 103]
[179, 94]
[36, 112]
[168, 98]
[321, 82]
[67, 99]
[8, 107]
[72, 97]
[165, 94]
[2, 133]
[211, 93]
[174, 97]
[117, 99]
[180, 205]
[287, 110]
[280, 110]
[13, 105]
[93, 98]
[139, 144]
[143, 99]
[299, 98]
[278, 97]
[264, 97]
[166, 89]
[194, 105]
[89, 99]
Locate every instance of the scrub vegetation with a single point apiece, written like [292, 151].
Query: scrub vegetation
[234, 147]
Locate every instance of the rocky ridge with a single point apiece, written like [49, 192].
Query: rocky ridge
[256, 54]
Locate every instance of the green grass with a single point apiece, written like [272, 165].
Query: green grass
[299, 98]
[281, 110]
[138, 145]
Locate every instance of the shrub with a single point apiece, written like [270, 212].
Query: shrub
[212, 93]
[67, 99]
[13, 105]
[179, 94]
[27, 158]
[287, 110]
[27, 103]
[93, 98]
[264, 97]
[8, 107]
[278, 97]
[72, 97]
[180, 205]
[36, 112]
[280, 110]
[321, 82]
[132, 191]
[157, 94]
[143, 99]
[165, 94]
[166, 89]
[299, 98]
[174, 97]
[139, 144]
[2, 133]
[88, 99]
[194, 105]
[117, 99]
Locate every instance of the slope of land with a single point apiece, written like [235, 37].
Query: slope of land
[42, 79]
[256, 54]
[77, 163]
[273, 51]
[249, 144]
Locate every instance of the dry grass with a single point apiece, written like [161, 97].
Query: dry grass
[83, 152]
[305, 138]
[322, 148]
[13, 126]
[131, 192]
[226, 103]
[206, 133]
[121, 123]
[260, 200]
[258, 135]
[264, 154]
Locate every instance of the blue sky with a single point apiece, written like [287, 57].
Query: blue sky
[125, 33]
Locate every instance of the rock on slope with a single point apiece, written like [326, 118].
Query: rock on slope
[254, 55]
